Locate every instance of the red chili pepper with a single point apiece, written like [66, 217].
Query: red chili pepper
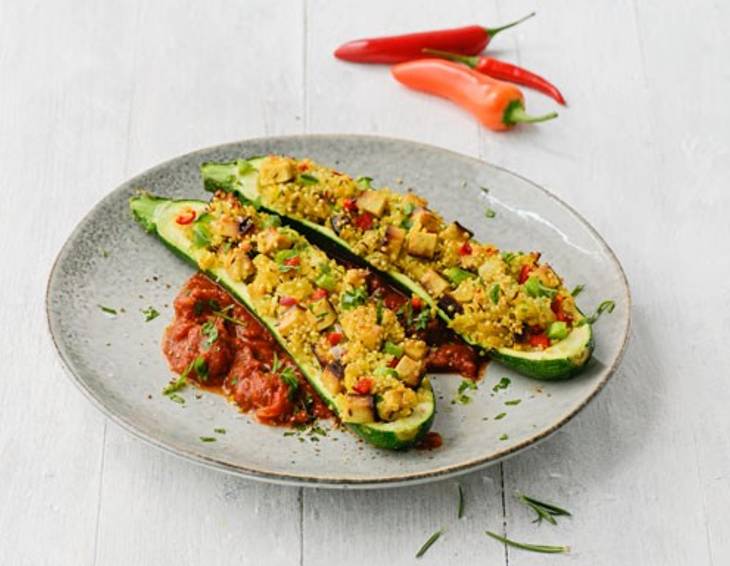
[349, 205]
[417, 303]
[364, 221]
[465, 249]
[363, 386]
[539, 341]
[293, 261]
[287, 301]
[186, 217]
[319, 294]
[334, 338]
[496, 104]
[394, 362]
[468, 40]
[503, 71]
[303, 166]
[524, 273]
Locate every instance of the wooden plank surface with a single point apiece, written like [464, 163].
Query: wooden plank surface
[92, 93]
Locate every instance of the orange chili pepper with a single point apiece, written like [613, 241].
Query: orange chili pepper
[496, 104]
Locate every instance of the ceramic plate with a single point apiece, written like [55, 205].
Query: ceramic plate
[117, 362]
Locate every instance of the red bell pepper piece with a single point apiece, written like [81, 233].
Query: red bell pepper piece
[334, 338]
[468, 40]
[539, 341]
[524, 273]
[364, 221]
[186, 217]
[287, 301]
[465, 249]
[363, 386]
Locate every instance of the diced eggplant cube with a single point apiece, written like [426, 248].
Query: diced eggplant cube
[295, 317]
[394, 238]
[332, 377]
[434, 283]
[426, 220]
[324, 313]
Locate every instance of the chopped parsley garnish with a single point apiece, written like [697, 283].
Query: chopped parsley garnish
[500, 416]
[578, 290]
[513, 402]
[508, 256]
[605, 306]
[288, 376]
[282, 258]
[393, 349]
[457, 275]
[108, 310]
[307, 179]
[466, 385]
[201, 368]
[534, 288]
[426, 545]
[150, 313]
[379, 311]
[545, 549]
[422, 319]
[504, 437]
[383, 371]
[180, 382]
[219, 430]
[208, 439]
[354, 298]
[485, 190]
[460, 508]
[494, 293]
[503, 384]
[543, 510]
[176, 398]
[365, 182]
[489, 213]
[210, 331]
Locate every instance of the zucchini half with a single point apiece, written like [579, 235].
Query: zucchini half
[157, 216]
[560, 361]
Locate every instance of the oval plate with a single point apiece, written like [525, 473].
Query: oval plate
[117, 362]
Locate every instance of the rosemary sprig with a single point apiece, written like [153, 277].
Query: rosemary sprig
[543, 510]
[460, 510]
[426, 545]
[224, 316]
[543, 548]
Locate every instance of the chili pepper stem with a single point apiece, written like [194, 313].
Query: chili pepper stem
[491, 32]
[468, 60]
[515, 114]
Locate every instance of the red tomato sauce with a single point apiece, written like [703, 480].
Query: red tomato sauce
[242, 360]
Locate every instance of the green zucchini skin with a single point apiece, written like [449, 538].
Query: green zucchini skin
[553, 363]
[157, 216]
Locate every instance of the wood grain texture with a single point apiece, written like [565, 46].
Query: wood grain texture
[92, 93]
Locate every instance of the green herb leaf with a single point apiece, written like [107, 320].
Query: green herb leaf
[382, 371]
[489, 213]
[208, 439]
[354, 298]
[224, 316]
[546, 511]
[307, 179]
[275, 364]
[494, 293]
[504, 437]
[578, 290]
[379, 311]
[456, 275]
[219, 430]
[426, 545]
[543, 548]
[365, 182]
[201, 368]
[507, 257]
[605, 306]
[271, 221]
[466, 385]
[210, 331]
[393, 349]
[202, 236]
[460, 509]
[150, 313]
[108, 310]
[500, 416]
[422, 320]
[176, 398]
[180, 382]
[513, 402]
[503, 384]
[288, 376]
[534, 288]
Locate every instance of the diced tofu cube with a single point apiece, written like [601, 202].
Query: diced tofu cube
[276, 169]
[456, 232]
[394, 238]
[409, 370]
[272, 240]
[416, 349]
[356, 408]
[421, 244]
[434, 283]
[426, 220]
[373, 202]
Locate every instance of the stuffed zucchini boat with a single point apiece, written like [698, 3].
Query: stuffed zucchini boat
[347, 343]
[509, 304]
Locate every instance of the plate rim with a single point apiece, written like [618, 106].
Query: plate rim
[409, 478]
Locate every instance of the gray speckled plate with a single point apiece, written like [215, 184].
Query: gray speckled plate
[117, 362]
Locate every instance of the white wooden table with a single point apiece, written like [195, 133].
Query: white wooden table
[94, 92]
